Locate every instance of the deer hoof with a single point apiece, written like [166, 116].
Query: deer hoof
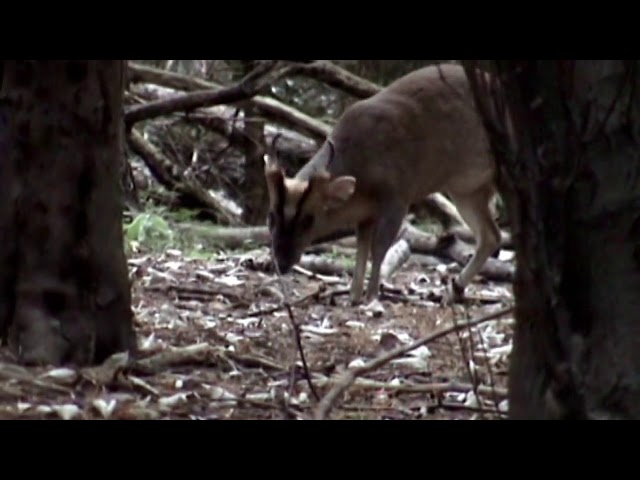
[455, 293]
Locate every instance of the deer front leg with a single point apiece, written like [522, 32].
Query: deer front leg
[386, 231]
[364, 232]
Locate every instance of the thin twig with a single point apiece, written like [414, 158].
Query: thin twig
[492, 382]
[466, 358]
[351, 375]
[296, 328]
[268, 311]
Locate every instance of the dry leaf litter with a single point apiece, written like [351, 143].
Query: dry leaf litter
[216, 343]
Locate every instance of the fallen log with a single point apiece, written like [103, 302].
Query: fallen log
[246, 88]
[270, 108]
[447, 246]
[163, 171]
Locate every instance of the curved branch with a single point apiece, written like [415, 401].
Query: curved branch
[162, 169]
[246, 88]
[274, 109]
[336, 77]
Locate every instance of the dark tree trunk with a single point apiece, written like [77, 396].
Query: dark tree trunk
[256, 199]
[64, 288]
[570, 176]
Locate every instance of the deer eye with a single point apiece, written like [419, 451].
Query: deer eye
[306, 222]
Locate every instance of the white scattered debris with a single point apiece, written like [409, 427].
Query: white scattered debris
[232, 337]
[66, 412]
[421, 352]
[173, 400]
[105, 408]
[319, 330]
[358, 362]
[245, 322]
[229, 281]
[67, 375]
[415, 362]
[174, 265]
[355, 324]
[373, 309]
[472, 400]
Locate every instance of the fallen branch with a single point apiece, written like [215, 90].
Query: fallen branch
[337, 77]
[447, 246]
[268, 107]
[189, 355]
[451, 247]
[163, 170]
[396, 256]
[351, 375]
[435, 388]
[246, 88]
[299, 301]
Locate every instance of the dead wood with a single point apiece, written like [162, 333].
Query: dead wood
[449, 212]
[435, 388]
[164, 171]
[248, 87]
[451, 247]
[280, 112]
[396, 256]
[447, 246]
[352, 374]
[463, 233]
[189, 355]
[222, 124]
[337, 77]
[324, 265]
[229, 238]
[268, 107]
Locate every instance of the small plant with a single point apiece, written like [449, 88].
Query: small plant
[149, 231]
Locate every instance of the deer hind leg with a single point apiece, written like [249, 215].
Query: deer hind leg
[364, 233]
[475, 210]
[386, 230]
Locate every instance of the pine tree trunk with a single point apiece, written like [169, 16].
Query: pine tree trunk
[64, 288]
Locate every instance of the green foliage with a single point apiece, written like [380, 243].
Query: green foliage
[159, 229]
[149, 231]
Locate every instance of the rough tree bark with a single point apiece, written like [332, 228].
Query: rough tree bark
[570, 175]
[64, 288]
[256, 198]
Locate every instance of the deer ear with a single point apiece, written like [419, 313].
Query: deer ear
[340, 189]
[274, 176]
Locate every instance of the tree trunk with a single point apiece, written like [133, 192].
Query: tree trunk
[256, 199]
[64, 288]
[570, 176]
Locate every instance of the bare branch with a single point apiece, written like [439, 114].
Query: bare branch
[269, 107]
[162, 169]
[351, 375]
[246, 88]
[336, 77]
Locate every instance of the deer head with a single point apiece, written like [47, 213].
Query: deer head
[300, 211]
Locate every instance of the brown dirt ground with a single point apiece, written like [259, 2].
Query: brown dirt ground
[215, 343]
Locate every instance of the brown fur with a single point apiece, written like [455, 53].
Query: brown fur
[419, 135]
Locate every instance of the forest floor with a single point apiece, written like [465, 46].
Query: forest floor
[217, 343]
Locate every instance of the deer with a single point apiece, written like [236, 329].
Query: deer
[420, 135]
